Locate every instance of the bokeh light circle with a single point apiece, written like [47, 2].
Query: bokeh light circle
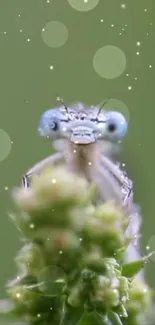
[55, 34]
[114, 104]
[83, 5]
[109, 62]
[5, 145]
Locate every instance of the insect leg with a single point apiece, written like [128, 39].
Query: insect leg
[37, 167]
[131, 208]
[125, 182]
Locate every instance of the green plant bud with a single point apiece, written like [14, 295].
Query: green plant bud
[110, 213]
[111, 297]
[139, 296]
[94, 260]
[75, 298]
[31, 259]
[23, 296]
[50, 186]
[60, 239]
[123, 284]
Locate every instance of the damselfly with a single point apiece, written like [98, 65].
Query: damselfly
[81, 136]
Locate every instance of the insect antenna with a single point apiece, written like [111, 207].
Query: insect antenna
[62, 102]
[102, 105]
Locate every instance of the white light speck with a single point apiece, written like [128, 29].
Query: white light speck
[123, 5]
[60, 252]
[138, 43]
[28, 39]
[112, 25]
[38, 315]
[145, 290]
[135, 78]
[6, 188]
[137, 53]
[19, 15]
[31, 225]
[18, 295]
[43, 29]
[74, 151]
[129, 87]
[120, 33]
[126, 25]
[80, 239]
[122, 29]
[145, 10]
[90, 163]
[123, 165]
[53, 180]
[51, 308]
[51, 67]
[20, 30]
[150, 66]
[48, 1]
[4, 33]
[127, 74]
[147, 247]
[150, 24]
[102, 20]
[85, 1]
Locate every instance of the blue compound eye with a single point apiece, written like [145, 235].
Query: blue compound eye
[49, 124]
[116, 125]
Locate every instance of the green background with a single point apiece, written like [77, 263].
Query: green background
[28, 87]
